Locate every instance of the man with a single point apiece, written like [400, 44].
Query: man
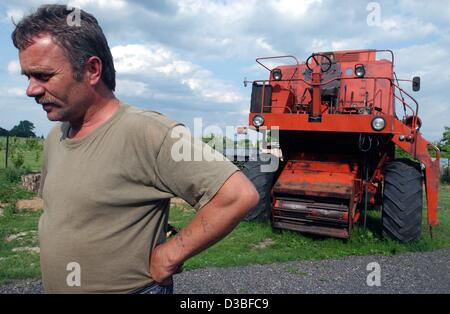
[109, 171]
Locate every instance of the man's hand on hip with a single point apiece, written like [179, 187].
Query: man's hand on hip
[161, 269]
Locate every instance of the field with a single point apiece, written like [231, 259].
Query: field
[26, 152]
[249, 243]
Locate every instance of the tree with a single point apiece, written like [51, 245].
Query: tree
[23, 129]
[444, 143]
[3, 132]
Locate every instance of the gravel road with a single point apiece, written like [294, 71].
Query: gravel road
[427, 272]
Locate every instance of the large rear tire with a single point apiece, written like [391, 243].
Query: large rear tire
[402, 200]
[263, 184]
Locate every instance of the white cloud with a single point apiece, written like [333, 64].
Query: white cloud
[151, 61]
[14, 67]
[176, 67]
[428, 60]
[349, 44]
[135, 59]
[293, 8]
[406, 27]
[132, 88]
[436, 10]
[265, 46]
[322, 45]
[14, 14]
[12, 91]
[102, 4]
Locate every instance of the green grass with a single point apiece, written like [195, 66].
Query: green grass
[249, 243]
[243, 245]
[17, 265]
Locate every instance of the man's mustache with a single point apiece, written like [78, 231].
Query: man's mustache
[45, 101]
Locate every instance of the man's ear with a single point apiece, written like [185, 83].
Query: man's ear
[93, 68]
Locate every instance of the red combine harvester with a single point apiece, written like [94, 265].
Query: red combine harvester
[338, 129]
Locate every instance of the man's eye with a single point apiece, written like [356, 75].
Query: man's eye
[43, 77]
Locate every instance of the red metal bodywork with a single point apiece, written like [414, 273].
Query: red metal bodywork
[321, 117]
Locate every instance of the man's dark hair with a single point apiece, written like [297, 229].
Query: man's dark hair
[80, 42]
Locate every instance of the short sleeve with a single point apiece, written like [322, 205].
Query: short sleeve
[189, 168]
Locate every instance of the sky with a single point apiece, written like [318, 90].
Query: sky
[188, 59]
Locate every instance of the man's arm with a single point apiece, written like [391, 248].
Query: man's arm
[212, 222]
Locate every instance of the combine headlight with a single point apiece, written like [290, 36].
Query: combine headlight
[378, 123]
[258, 121]
[360, 71]
[276, 74]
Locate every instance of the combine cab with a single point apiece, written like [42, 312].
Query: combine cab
[338, 129]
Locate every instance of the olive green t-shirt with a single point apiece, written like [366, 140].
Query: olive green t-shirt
[107, 195]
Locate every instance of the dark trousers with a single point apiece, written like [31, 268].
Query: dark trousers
[155, 288]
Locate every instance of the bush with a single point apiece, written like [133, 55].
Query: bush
[32, 143]
[18, 160]
[14, 175]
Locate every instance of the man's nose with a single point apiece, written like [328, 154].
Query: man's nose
[34, 88]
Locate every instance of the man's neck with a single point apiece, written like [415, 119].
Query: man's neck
[96, 114]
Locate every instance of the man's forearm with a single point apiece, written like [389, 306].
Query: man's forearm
[212, 222]
[209, 226]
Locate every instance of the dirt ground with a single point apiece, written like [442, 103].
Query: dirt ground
[34, 204]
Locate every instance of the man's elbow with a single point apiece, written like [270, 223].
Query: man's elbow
[253, 197]
[240, 194]
[249, 196]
